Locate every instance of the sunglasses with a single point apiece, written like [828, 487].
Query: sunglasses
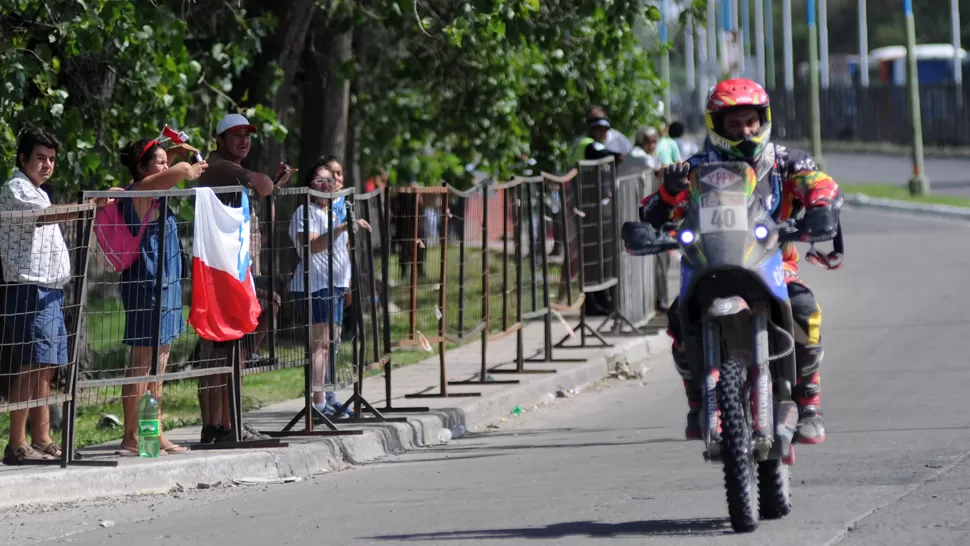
[324, 181]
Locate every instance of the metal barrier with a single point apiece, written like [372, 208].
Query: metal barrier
[471, 212]
[423, 237]
[437, 267]
[137, 332]
[45, 252]
[598, 238]
[368, 313]
[877, 114]
[636, 280]
[315, 298]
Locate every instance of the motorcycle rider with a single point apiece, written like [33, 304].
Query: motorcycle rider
[738, 119]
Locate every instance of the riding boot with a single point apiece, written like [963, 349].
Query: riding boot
[695, 401]
[807, 394]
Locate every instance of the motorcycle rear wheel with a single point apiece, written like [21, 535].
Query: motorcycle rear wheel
[740, 474]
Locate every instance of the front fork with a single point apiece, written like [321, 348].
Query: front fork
[768, 442]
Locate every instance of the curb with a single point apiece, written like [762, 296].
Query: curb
[948, 211]
[320, 456]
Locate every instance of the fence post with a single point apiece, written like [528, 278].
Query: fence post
[273, 274]
[68, 421]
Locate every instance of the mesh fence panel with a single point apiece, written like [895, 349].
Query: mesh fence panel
[637, 294]
[465, 272]
[416, 266]
[137, 319]
[560, 204]
[43, 260]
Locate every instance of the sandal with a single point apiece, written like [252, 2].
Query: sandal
[173, 449]
[24, 455]
[51, 449]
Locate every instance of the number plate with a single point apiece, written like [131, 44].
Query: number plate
[724, 218]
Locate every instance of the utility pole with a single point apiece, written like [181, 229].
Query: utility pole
[770, 43]
[919, 184]
[813, 85]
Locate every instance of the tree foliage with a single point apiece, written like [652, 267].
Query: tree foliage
[436, 85]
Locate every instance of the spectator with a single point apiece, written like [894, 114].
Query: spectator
[667, 149]
[642, 157]
[149, 164]
[599, 130]
[233, 142]
[332, 164]
[685, 144]
[37, 266]
[325, 306]
[378, 181]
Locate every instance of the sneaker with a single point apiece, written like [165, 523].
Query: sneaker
[209, 434]
[250, 433]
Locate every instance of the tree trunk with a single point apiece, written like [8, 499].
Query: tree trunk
[314, 85]
[283, 49]
[326, 96]
[336, 98]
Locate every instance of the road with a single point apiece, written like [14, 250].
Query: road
[612, 465]
[948, 176]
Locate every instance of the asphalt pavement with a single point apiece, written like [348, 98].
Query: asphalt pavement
[948, 176]
[611, 463]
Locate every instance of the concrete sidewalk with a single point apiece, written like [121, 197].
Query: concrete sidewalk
[306, 456]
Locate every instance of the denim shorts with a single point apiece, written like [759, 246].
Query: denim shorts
[34, 320]
[320, 303]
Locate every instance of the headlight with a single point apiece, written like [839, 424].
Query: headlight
[760, 232]
[686, 237]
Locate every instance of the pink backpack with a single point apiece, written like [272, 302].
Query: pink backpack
[114, 245]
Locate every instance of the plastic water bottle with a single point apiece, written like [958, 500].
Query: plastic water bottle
[148, 426]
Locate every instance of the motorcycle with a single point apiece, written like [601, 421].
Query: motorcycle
[738, 332]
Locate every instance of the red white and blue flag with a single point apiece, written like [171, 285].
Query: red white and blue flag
[224, 304]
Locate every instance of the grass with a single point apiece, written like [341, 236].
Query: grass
[901, 193]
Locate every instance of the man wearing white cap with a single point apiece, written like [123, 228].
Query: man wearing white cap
[233, 141]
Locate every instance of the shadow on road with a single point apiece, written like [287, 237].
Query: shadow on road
[660, 527]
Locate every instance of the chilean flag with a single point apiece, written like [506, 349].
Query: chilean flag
[224, 304]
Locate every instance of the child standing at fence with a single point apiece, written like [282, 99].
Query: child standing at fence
[148, 163]
[325, 306]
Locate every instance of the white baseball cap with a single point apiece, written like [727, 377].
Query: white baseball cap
[232, 121]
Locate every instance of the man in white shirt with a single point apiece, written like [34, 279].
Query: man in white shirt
[36, 267]
[642, 157]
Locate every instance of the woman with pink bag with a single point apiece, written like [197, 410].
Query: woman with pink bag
[150, 168]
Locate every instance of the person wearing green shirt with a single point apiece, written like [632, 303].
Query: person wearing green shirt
[667, 149]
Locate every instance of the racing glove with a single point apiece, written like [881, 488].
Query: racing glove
[675, 178]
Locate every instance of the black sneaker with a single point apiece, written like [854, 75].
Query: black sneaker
[209, 434]
[224, 435]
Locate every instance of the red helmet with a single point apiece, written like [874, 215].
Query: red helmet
[736, 93]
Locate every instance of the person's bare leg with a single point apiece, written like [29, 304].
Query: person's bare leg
[40, 417]
[321, 340]
[19, 392]
[140, 363]
[164, 352]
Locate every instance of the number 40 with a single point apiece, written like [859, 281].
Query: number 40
[726, 219]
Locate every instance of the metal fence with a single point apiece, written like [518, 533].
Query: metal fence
[42, 290]
[879, 113]
[427, 269]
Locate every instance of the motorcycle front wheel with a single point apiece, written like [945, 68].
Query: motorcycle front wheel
[740, 474]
